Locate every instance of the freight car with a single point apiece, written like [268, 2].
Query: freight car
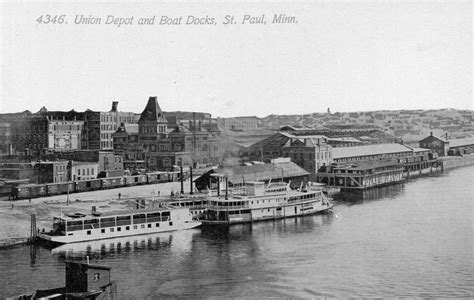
[89, 185]
[26, 191]
[112, 182]
[60, 188]
[176, 175]
[135, 180]
[5, 190]
[157, 177]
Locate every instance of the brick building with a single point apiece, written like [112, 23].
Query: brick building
[437, 144]
[5, 138]
[271, 147]
[109, 163]
[33, 134]
[84, 170]
[310, 153]
[53, 171]
[64, 134]
[99, 127]
[161, 147]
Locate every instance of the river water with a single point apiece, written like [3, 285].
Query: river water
[410, 240]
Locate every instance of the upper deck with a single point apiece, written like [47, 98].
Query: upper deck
[257, 195]
[62, 225]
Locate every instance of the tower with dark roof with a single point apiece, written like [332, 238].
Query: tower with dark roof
[152, 123]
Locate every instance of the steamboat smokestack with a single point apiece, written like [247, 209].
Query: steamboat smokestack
[226, 188]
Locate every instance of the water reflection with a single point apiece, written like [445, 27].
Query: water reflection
[119, 247]
[33, 254]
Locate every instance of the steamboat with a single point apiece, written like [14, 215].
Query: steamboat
[258, 201]
[81, 228]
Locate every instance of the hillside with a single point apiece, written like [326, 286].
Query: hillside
[410, 125]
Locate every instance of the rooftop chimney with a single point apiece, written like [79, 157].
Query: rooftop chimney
[114, 106]
[431, 133]
[446, 136]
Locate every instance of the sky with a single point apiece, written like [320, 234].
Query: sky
[345, 55]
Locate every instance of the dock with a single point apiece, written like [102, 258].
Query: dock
[362, 175]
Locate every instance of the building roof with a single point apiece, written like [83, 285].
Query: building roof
[346, 139]
[434, 137]
[261, 172]
[294, 128]
[364, 150]
[186, 129]
[461, 142]
[180, 128]
[369, 164]
[152, 112]
[83, 163]
[277, 140]
[240, 118]
[127, 128]
[415, 150]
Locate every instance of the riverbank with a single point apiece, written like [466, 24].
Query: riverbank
[15, 216]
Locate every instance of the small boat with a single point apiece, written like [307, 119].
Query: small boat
[258, 201]
[67, 229]
[83, 281]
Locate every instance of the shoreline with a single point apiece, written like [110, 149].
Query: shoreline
[15, 215]
[451, 162]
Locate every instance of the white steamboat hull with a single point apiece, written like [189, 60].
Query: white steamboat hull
[99, 234]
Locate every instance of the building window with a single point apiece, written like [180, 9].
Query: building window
[88, 232]
[102, 230]
[177, 147]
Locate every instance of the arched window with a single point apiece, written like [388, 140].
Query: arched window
[177, 147]
[166, 162]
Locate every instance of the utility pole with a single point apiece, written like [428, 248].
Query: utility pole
[181, 175]
[68, 174]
